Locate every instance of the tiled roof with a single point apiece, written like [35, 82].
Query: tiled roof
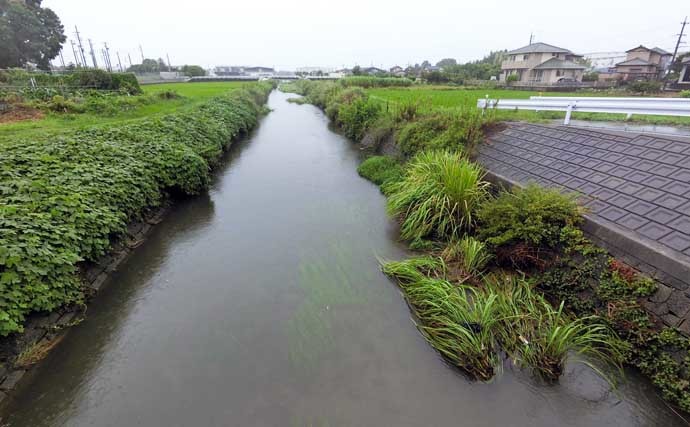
[635, 61]
[560, 64]
[539, 48]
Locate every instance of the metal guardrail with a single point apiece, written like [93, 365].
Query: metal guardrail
[627, 106]
[638, 99]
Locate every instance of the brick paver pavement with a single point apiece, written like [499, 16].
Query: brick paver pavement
[638, 184]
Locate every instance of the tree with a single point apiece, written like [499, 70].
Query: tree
[29, 33]
[193, 71]
[445, 62]
[148, 66]
[357, 70]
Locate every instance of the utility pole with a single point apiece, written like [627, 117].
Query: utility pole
[74, 52]
[130, 59]
[62, 60]
[93, 55]
[107, 57]
[169, 67]
[531, 37]
[142, 54]
[81, 48]
[119, 63]
[675, 51]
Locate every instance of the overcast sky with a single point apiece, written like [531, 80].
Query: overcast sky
[293, 33]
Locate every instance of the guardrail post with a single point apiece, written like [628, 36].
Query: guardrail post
[568, 111]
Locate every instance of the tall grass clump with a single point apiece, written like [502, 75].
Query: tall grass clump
[544, 339]
[458, 322]
[438, 196]
[470, 252]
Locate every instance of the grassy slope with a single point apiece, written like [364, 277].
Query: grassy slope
[193, 93]
[435, 97]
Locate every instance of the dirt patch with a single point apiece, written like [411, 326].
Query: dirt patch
[19, 114]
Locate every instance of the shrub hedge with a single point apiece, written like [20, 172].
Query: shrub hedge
[65, 198]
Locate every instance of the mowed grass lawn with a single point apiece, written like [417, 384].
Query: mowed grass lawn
[447, 98]
[192, 94]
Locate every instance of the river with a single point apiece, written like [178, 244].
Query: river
[262, 304]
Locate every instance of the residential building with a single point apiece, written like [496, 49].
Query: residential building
[243, 71]
[643, 63]
[542, 63]
[372, 70]
[397, 71]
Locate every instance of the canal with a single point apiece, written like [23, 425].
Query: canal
[262, 304]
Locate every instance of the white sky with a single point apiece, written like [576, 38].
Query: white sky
[292, 33]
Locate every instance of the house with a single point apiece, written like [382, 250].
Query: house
[684, 78]
[372, 70]
[642, 63]
[542, 63]
[397, 71]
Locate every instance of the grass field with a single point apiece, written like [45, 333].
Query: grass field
[192, 94]
[445, 98]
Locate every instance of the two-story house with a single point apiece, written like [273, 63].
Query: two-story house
[642, 63]
[542, 63]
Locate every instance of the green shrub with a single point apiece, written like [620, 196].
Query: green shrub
[684, 94]
[66, 196]
[438, 196]
[461, 130]
[356, 115]
[528, 221]
[512, 78]
[103, 80]
[644, 87]
[381, 170]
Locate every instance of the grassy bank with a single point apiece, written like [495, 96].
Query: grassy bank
[435, 98]
[67, 195]
[506, 273]
[109, 108]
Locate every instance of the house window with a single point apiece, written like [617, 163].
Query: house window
[512, 57]
[636, 70]
[525, 57]
[554, 54]
[559, 73]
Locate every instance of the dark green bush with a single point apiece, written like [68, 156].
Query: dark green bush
[684, 94]
[381, 170]
[644, 87]
[528, 221]
[356, 116]
[445, 131]
[65, 197]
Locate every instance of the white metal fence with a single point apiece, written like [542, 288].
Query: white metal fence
[629, 106]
